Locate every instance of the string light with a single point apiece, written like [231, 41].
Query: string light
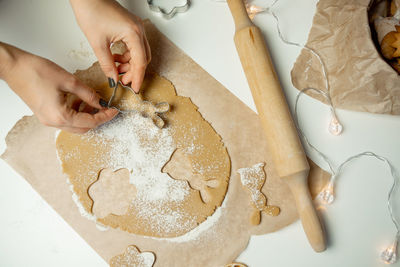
[253, 10]
[389, 255]
[335, 127]
[327, 196]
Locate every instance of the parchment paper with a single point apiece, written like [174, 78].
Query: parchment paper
[360, 79]
[31, 152]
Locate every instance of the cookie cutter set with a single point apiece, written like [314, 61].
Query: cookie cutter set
[168, 14]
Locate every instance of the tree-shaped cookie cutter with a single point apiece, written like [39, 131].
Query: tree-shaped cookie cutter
[170, 14]
[145, 108]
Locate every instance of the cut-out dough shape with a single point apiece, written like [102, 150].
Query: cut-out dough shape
[132, 257]
[145, 108]
[180, 167]
[253, 179]
[235, 264]
[112, 193]
[149, 110]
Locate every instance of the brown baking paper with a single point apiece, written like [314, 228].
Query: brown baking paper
[360, 79]
[31, 152]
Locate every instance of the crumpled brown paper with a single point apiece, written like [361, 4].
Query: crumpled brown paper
[359, 78]
[31, 152]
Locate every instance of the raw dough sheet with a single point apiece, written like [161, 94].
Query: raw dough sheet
[31, 152]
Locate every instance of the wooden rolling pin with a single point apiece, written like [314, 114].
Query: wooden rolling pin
[288, 156]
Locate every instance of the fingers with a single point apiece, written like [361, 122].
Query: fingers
[106, 60]
[124, 68]
[85, 93]
[138, 62]
[134, 62]
[80, 116]
[148, 50]
[75, 130]
[124, 58]
[86, 120]
[80, 122]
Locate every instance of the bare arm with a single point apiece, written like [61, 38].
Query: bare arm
[44, 86]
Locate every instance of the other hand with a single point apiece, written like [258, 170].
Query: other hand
[105, 22]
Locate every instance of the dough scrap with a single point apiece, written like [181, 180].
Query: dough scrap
[112, 193]
[180, 167]
[253, 179]
[167, 207]
[132, 257]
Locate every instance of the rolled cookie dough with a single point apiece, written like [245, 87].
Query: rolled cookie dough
[163, 207]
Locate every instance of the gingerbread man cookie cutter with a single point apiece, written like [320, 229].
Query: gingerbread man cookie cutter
[168, 14]
[146, 108]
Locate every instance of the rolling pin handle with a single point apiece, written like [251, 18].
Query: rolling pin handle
[305, 207]
[239, 14]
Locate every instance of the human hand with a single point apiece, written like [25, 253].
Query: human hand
[105, 22]
[47, 89]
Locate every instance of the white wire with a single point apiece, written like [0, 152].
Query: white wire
[326, 95]
[392, 188]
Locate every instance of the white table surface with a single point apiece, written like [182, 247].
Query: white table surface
[357, 224]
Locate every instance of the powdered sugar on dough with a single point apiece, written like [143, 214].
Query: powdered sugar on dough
[196, 233]
[143, 148]
[253, 179]
[144, 159]
[253, 176]
[75, 198]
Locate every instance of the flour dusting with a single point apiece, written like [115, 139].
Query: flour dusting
[253, 178]
[133, 257]
[141, 147]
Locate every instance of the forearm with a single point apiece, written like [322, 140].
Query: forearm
[8, 58]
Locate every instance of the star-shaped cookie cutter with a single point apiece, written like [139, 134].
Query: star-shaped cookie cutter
[146, 109]
[170, 14]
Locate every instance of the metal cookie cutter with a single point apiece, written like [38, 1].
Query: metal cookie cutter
[170, 14]
[146, 108]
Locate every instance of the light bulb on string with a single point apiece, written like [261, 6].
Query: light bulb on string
[389, 255]
[253, 10]
[335, 127]
[327, 195]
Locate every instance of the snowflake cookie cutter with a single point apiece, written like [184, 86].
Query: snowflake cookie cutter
[165, 14]
[146, 109]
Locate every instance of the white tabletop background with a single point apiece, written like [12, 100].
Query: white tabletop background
[357, 224]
